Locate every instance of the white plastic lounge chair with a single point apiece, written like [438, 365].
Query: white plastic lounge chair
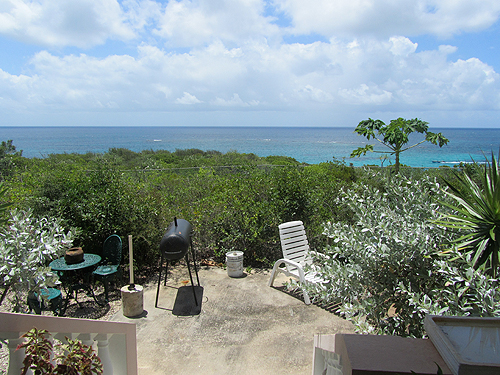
[295, 256]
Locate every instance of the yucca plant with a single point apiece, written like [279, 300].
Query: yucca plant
[477, 216]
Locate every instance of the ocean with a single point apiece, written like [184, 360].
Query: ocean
[306, 144]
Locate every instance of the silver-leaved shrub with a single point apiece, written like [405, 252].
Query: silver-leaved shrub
[383, 271]
[27, 245]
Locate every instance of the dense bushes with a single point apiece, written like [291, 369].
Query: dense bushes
[234, 201]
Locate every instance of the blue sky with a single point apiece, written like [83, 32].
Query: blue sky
[249, 62]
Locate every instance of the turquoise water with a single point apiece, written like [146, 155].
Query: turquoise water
[310, 145]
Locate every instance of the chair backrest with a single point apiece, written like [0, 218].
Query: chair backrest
[294, 243]
[112, 250]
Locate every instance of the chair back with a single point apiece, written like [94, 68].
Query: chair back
[112, 250]
[294, 243]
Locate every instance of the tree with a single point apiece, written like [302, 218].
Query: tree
[395, 136]
[8, 154]
[7, 148]
[478, 215]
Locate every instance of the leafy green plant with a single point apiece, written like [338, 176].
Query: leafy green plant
[395, 136]
[26, 247]
[3, 206]
[8, 157]
[477, 215]
[382, 268]
[75, 358]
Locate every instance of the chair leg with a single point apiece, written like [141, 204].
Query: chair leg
[56, 305]
[106, 289]
[273, 275]
[306, 297]
[34, 304]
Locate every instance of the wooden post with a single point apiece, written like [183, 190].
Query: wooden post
[131, 259]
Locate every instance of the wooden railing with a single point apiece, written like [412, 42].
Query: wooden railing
[115, 342]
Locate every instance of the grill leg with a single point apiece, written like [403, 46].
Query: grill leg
[166, 273]
[194, 261]
[191, 277]
[159, 281]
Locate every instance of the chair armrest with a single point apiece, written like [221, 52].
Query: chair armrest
[292, 263]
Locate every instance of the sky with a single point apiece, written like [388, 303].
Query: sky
[249, 62]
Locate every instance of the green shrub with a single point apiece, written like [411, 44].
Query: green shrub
[27, 246]
[383, 270]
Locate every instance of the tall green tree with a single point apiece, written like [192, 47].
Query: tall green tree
[395, 136]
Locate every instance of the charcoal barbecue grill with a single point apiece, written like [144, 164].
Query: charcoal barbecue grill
[174, 246]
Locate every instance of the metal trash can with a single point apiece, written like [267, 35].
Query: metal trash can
[234, 263]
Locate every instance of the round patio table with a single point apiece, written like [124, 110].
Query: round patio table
[60, 264]
[76, 276]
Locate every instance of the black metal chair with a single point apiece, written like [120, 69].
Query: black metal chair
[110, 264]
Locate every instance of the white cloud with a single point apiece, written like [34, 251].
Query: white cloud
[187, 98]
[188, 23]
[366, 95]
[311, 93]
[228, 54]
[235, 101]
[389, 75]
[385, 18]
[402, 46]
[80, 23]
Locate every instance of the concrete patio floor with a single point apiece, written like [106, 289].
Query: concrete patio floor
[244, 327]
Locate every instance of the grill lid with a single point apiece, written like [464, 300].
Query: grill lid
[175, 243]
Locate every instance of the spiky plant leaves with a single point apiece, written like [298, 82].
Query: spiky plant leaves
[477, 215]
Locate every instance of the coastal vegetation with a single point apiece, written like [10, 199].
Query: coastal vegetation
[234, 201]
[384, 234]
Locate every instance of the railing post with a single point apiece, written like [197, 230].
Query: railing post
[16, 357]
[103, 353]
[86, 339]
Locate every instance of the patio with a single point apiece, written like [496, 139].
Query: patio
[244, 327]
